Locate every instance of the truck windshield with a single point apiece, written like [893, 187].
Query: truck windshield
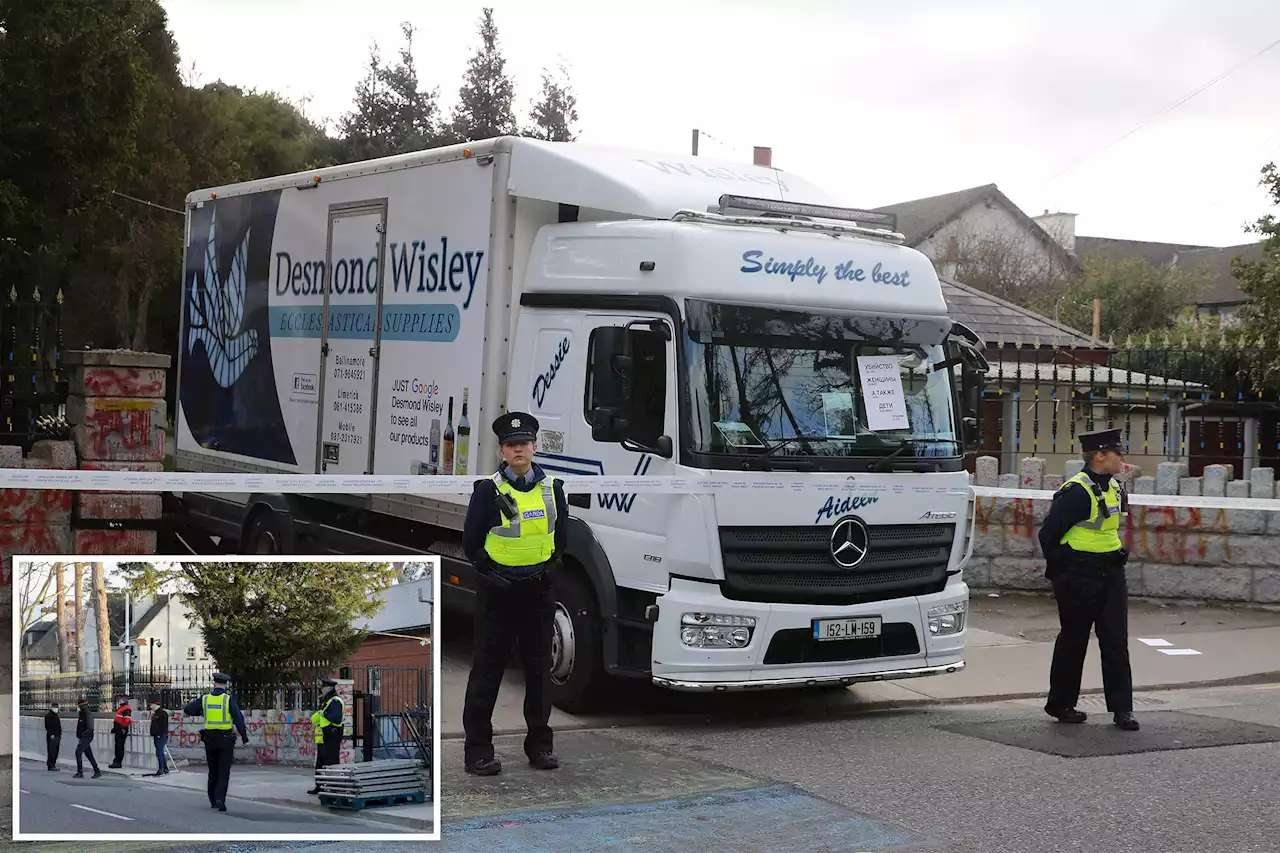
[806, 384]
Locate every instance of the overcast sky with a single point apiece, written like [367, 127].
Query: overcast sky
[877, 102]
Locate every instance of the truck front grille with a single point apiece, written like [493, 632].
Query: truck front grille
[794, 564]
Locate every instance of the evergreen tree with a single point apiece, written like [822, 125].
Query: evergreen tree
[555, 112]
[392, 114]
[486, 99]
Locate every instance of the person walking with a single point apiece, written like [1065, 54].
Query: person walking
[53, 735]
[220, 713]
[160, 737]
[120, 726]
[327, 725]
[84, 741]
[515, 535]
[1085, 562]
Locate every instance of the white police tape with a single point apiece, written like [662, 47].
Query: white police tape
[374, 484]
[391, 484]
[1182, 501]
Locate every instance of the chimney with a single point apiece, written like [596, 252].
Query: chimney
[763, 157]
[1060, 226]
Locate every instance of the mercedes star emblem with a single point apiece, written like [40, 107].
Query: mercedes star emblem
[850, 542]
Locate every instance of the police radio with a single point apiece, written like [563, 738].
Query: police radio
[507, 506]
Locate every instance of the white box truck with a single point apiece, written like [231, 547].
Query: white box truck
[660, 316]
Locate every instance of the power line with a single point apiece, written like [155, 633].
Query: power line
[1168, 109]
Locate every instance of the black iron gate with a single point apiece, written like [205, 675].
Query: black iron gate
[32, 379]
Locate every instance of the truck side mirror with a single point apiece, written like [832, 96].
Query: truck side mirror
[611, 369]
[609, 424]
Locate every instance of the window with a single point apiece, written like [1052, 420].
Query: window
[191, 652]
[648, 386]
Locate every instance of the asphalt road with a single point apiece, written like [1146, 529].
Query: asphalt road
[905, 781]
[54, 802]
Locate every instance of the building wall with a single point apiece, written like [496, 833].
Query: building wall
[981, 223]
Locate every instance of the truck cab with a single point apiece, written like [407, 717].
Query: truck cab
[718, 342]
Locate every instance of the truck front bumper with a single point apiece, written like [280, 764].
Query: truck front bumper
[678, 666]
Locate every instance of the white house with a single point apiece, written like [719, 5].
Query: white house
[163, 624]
[979, 231]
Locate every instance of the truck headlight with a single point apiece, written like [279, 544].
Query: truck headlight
[716, 630]
[946, 618]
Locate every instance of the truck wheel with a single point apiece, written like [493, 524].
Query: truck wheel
[576, 671]
[263, 536]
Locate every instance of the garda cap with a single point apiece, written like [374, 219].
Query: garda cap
[515, 427]
[221, 678]
[329, 682]
[1102, 439]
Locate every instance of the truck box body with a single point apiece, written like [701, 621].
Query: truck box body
[510, 270]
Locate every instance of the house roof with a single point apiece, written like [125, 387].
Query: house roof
[921, 218]
[46, 647]
[1224, 287]
[1156, 254]
[157, 607]
[996, 320]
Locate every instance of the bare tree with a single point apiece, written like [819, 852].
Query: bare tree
[104, 625]
[60, 580]
[1005, 262]
[80, 614]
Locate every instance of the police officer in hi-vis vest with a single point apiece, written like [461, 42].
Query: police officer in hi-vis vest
[220, 713]
[327, 723]
[1085, 561]
[515, 535]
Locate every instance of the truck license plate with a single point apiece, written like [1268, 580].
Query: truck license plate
[860, 628]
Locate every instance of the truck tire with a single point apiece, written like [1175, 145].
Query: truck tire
[263, 535]
[577, 673]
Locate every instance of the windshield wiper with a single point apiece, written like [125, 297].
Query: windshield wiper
[781, 443]
[882, 464]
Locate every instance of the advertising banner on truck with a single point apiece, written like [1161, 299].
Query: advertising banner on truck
[276, 375]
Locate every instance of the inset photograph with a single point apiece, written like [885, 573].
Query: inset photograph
[242, 698]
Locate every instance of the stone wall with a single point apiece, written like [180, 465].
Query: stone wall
[118, 418]
[1174, 552]
[34, 521]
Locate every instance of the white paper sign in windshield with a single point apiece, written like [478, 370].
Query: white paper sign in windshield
[882, 390]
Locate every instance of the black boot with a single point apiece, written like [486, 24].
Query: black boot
[484, 767]
[313, 792]
[1126, 721]
[79, 775]
[97, 774]
[544, 761]
[1066, 715]
[222, 807]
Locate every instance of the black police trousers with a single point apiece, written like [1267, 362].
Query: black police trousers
[1092, 594]
[329, 750]
[220, 753]
[522, 612]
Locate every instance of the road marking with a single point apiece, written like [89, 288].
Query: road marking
[1268, 687]
[1178, 652]
[1156, 642]
[23, 791]
[99, 811]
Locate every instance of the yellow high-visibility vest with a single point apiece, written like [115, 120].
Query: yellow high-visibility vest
[529, 538]
[1097, 534]
[217, 711]
[319, 721]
